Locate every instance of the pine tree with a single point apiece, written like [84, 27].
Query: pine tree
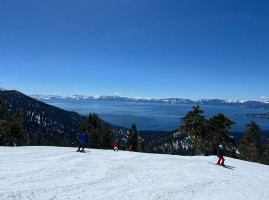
[2, 109]
[66, 142]
[17, 134]
[4, 124]
[218, 129]
[107, 138]
[251, 146]
[133, 139]
[94, 127]
[194, 124]
[57, 141]
[84, 128]
[265, 158]
[136, 140]
[39, 139]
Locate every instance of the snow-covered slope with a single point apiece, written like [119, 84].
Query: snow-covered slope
[61, 173]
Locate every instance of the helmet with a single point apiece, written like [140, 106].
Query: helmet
[220, 146]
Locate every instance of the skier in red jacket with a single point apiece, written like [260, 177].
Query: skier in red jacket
[115, 147]
[130, 148]
[220, 156]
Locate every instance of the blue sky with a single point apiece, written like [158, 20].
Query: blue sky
[148, 48]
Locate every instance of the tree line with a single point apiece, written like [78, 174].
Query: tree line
[11, 128]
[208, 134]
[103, 138]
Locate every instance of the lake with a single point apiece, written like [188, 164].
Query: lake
[154, 116]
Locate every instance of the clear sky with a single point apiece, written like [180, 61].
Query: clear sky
[148, 48]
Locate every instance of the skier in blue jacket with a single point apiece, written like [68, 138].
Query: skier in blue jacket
[83, 139]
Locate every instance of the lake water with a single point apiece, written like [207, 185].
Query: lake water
[154, 116]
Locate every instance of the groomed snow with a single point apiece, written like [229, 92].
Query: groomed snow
[52, 173]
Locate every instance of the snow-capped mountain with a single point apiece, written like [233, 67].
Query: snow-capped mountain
[237, 103]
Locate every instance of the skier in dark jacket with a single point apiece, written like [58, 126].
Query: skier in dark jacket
[83, 139]
[220, 155]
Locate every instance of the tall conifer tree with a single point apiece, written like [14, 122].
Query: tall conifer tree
[133, 139]
[218, 129]
[251, 146]
[194, 124]
[39, 139]
[4, 124]
[17, 134]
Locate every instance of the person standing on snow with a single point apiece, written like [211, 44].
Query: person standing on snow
[115, 147]
[130, 148]
[83, 139]
[220, 155]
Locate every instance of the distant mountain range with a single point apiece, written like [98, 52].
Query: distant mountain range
[236, 103]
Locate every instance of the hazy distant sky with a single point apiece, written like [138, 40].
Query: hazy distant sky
[148, 48]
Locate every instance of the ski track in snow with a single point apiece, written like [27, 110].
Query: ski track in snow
[52, 173]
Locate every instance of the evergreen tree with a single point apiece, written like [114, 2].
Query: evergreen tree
[94, 121]
[39, 139]
[94, 126]
[218, 129]
[57, 140]
[133, 139]
[194, 124]
[4, 124]
[107, 138]
[66, 142]
[2, 109]
[265, 158]
[17, 134]
[251, 146]
[84, 128]
[136, 140]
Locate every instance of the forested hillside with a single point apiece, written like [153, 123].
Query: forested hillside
[172, 142]
[49, 120]
[38, 116]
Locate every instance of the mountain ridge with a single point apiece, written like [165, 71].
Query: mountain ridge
[237, 103]
[51, 120]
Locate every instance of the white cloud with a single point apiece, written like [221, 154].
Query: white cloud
[117, 93]
[263, 97]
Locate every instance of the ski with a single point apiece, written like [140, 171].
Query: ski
[226, 166]
[229, 166]
[81, 151]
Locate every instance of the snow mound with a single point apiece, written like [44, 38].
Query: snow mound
[61, 173]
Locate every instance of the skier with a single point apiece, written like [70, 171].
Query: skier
[83, 139]
[220, 155]
[115, 147]
[130, 148]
